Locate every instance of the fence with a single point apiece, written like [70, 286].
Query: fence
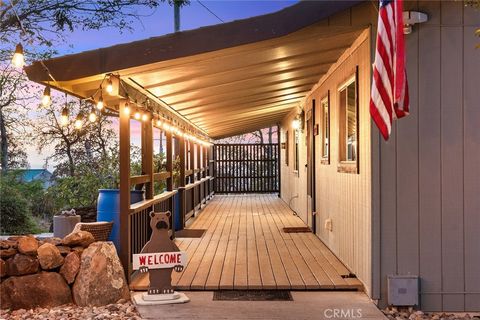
[246, 168]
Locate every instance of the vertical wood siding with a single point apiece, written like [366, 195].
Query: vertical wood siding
[429, 170]
[343, 197]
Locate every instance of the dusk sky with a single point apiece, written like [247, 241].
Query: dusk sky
[156, 23]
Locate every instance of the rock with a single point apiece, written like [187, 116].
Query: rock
[27, 245]
[78, 238]
[22, 264]
[49, 256]
[3, 268]
[55, 241]
[7, 253]
[46, 289]
[70, 267]
[101, 279]
[5, 244]
[78, 250]
[64, 250]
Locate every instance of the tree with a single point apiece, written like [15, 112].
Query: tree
[39, 25]
[72, 146]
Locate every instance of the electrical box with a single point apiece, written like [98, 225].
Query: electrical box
[403, 290]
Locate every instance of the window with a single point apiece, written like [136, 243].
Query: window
[325, 127]
[348, 137]
[287, 148]
[296, 151]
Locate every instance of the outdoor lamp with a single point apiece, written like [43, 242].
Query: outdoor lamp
[137, 115]
[92, 117]
[145, 117]
[100, 103]
[18, 59]
[109, 87]
[64, 117]
[46, 96]
[126, 109]
[296, 124]
[79, 122]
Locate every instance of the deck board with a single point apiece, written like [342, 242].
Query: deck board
[244, 247]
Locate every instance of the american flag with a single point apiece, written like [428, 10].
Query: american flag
[389, 99]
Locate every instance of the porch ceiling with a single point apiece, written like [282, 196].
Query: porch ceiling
[250, 82]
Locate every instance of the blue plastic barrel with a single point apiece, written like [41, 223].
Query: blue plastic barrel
[108, 209]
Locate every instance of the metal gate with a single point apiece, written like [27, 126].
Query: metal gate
[246, 168]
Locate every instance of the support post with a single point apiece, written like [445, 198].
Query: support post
[279, 164]
[169, 156]
[124, 163]
[147, 157]
[181, 187]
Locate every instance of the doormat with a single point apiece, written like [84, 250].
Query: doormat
[296, 229]
[190, 233]
[252, 295]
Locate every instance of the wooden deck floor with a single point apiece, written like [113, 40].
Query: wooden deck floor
[244, 247]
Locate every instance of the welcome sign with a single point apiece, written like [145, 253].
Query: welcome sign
[159, 260]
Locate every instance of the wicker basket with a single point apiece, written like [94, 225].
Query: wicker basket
[99, 230]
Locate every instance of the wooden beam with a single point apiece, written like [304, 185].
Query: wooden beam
[142, 179]
[169, 154]
[147, 157]
[124, 250]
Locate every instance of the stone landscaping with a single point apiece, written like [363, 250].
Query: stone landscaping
[412, 314]
[120, 310]
[51, 272]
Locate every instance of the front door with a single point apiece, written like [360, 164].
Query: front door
[311, 167]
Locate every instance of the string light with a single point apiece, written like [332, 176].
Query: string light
[137, 115]
[100, 103]
[18, 59]
[46, 99]
[109, 87]
[166, 126]
[296, 124]
[92, 117]
[64, 117]
[145, 117]
[79, 122]
[159, 123]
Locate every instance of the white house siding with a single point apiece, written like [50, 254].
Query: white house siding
[343, 197]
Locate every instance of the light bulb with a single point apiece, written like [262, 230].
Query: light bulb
[145, 117]
[109, 87]
[64, 117]
[159, 123]
[92, 117]
[296, 124]
[78, 122]
[126, 110]
[46, 96]
[166, 126]
[18, 59]
[137, 115]
[100, 104]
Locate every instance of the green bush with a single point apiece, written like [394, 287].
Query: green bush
[15, 216]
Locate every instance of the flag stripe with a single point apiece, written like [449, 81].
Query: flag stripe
[389, 94]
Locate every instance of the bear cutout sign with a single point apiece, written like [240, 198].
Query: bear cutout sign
[160, 257]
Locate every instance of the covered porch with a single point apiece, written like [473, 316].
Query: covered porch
[244, 247]
[194, 87]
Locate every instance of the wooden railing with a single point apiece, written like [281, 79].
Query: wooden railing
[246, 168]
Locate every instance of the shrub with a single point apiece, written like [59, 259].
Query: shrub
[15, 216]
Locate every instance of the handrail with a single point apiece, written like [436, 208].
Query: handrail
[161, 175]
[188, 172]
[138, 206]
[139, 179]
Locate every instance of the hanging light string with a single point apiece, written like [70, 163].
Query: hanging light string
[161, 122]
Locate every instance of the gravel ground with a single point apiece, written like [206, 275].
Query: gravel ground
[122, 310]
[411, 314]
